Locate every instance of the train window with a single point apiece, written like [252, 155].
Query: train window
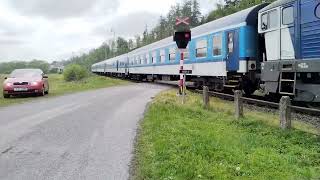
[201, 50]
[154, 58]
[287, 15]
[140, 59]
[162, 56]
[264, 21]
[172, 54]
[147, 57]
[230, 42]
[217, 45]
[317, 11]
[273, 19]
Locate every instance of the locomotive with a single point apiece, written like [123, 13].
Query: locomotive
[274, 48]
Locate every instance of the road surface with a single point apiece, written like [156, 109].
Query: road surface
[87, 135]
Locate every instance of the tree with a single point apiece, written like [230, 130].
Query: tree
[145, 36]
[186, 10]
[138, 41]
[122, 46]
[131, 44]
[196, 14]
[8, 67]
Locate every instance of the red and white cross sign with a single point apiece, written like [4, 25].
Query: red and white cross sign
[184, 20]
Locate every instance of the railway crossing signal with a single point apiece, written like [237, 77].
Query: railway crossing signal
[182, 37]
[185, 20]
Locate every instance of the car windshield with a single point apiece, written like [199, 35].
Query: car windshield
[25, 73]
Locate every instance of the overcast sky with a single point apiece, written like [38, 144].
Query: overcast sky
[54, 29]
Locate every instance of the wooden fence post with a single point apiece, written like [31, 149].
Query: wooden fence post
[238, 104]
[206, 97]
[285, 112]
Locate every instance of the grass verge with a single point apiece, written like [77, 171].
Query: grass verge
[188, 142]
[58, 86]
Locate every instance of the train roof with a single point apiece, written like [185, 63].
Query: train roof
[276, 4]
[246, 16]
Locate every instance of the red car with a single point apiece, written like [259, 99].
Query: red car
[26, 82]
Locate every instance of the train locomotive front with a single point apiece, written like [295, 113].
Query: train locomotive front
[291, 30]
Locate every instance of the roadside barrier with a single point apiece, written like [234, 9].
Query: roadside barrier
[284, 106]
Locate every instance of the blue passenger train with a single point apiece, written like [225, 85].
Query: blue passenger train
[272, 47]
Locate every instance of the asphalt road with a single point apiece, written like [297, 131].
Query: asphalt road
[86, 135]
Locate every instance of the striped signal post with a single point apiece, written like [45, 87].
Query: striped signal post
[182, 76]
[182, 37]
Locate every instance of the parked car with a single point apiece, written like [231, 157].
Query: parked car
[26, 82]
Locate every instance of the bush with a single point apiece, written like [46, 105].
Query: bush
[74, 72]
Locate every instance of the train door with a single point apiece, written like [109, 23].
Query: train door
[270, 26]
[127, 67]
[232, 50]
[287, 32]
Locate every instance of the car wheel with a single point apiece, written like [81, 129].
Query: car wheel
[47, 92]
[42, 92]
[6, 96]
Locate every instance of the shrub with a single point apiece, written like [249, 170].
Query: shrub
[74, 72]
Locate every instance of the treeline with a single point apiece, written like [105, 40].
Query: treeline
[164, 28]
[232, 6]
[8, 67]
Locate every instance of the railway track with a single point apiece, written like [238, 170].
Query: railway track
[259, 103]
[303, 114]
[257, 100]
[300, 113]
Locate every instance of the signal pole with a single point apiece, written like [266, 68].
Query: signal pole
[181, 83]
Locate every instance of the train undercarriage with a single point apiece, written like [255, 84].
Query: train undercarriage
[234, 81]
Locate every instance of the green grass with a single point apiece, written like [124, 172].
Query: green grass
[187, 142]
[59, 87]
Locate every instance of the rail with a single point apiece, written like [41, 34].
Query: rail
[284, 106]
[264, 103]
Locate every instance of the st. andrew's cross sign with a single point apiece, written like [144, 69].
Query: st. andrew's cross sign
[182, 35]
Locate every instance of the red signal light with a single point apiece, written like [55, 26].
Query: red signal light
[182, 39]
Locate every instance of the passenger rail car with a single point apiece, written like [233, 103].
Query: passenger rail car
[273, 47]
[222, 54]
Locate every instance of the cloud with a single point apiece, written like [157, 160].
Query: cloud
[11, 29]
[208, 5]
[57, 9]
[128, 25]
[56, 29]
[11, 42]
